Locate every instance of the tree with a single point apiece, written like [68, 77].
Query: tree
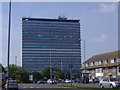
[59, 74]
[46, 72]
[56, 72]
[18, 70]
[36, 76]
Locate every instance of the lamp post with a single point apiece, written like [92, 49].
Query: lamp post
[84, 49]
[84, 55]
[70, 67]
[8, 53]
[50, 59]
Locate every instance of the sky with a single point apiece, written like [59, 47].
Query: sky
[98, 20]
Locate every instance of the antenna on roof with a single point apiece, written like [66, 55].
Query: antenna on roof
[62, 17]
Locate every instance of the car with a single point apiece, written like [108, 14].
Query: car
[96, 80]
[51, 81]
[90, 80]
[109, 83]
[12, 84]
[41, 81]
[68, 81]
[118, 78]
[76, 80]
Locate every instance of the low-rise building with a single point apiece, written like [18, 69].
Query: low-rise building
[103, 65]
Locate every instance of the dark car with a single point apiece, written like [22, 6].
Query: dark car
[42, 81]
[96, 80]
[118, 78]
[76, 80]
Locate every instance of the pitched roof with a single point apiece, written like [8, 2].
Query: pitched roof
[104, 56]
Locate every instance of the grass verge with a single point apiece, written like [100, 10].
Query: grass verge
[76, 86]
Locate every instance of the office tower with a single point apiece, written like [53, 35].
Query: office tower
[51, 43]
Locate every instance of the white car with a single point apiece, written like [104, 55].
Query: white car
[12, 84]
[51, 81]
[109, 83]
[68, 81]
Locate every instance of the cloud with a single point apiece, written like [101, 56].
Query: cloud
[108, 7]
[100, 39]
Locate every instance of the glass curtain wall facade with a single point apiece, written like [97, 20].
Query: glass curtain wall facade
[51, 43]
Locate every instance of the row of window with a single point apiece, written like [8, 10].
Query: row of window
[50, 25]
[49, 44]
[51, 49]
[101, 62]
[47, 52]
[46, 22]
[43, 36]
[41, 22]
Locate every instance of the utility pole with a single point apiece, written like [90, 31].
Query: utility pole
[85, 56]
[8, 53]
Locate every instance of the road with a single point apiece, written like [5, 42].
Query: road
[52, 86]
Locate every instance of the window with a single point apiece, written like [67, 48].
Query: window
[91, 64]
[92, 70]
[96, 63]
[106, 80]
[118, 60]
[99, 70]
[83, 65]
[112, 61]
[113, 69]
[99, 63]
[86, 64]
[106, 61]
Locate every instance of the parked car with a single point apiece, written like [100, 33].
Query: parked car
[51, 81]
[60, 81]
[90, 80]
[76, 80]
[109, 83]
[42, 81]
[68, 81]
[96, 80]
[12, 84]
[118, 78]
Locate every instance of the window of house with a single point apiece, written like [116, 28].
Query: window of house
[99, 63]
[118, 60]
[96, 63]
[86, 64]
[112, 61]
[91, 64]
[83, 65]
[92, 70]
[106, 61]
[113, 69]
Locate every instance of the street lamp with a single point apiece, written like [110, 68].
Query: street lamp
[85, 73]
[70, 67]
[8, 54]
[50, 59]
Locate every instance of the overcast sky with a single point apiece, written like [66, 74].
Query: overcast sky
[99, 25]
